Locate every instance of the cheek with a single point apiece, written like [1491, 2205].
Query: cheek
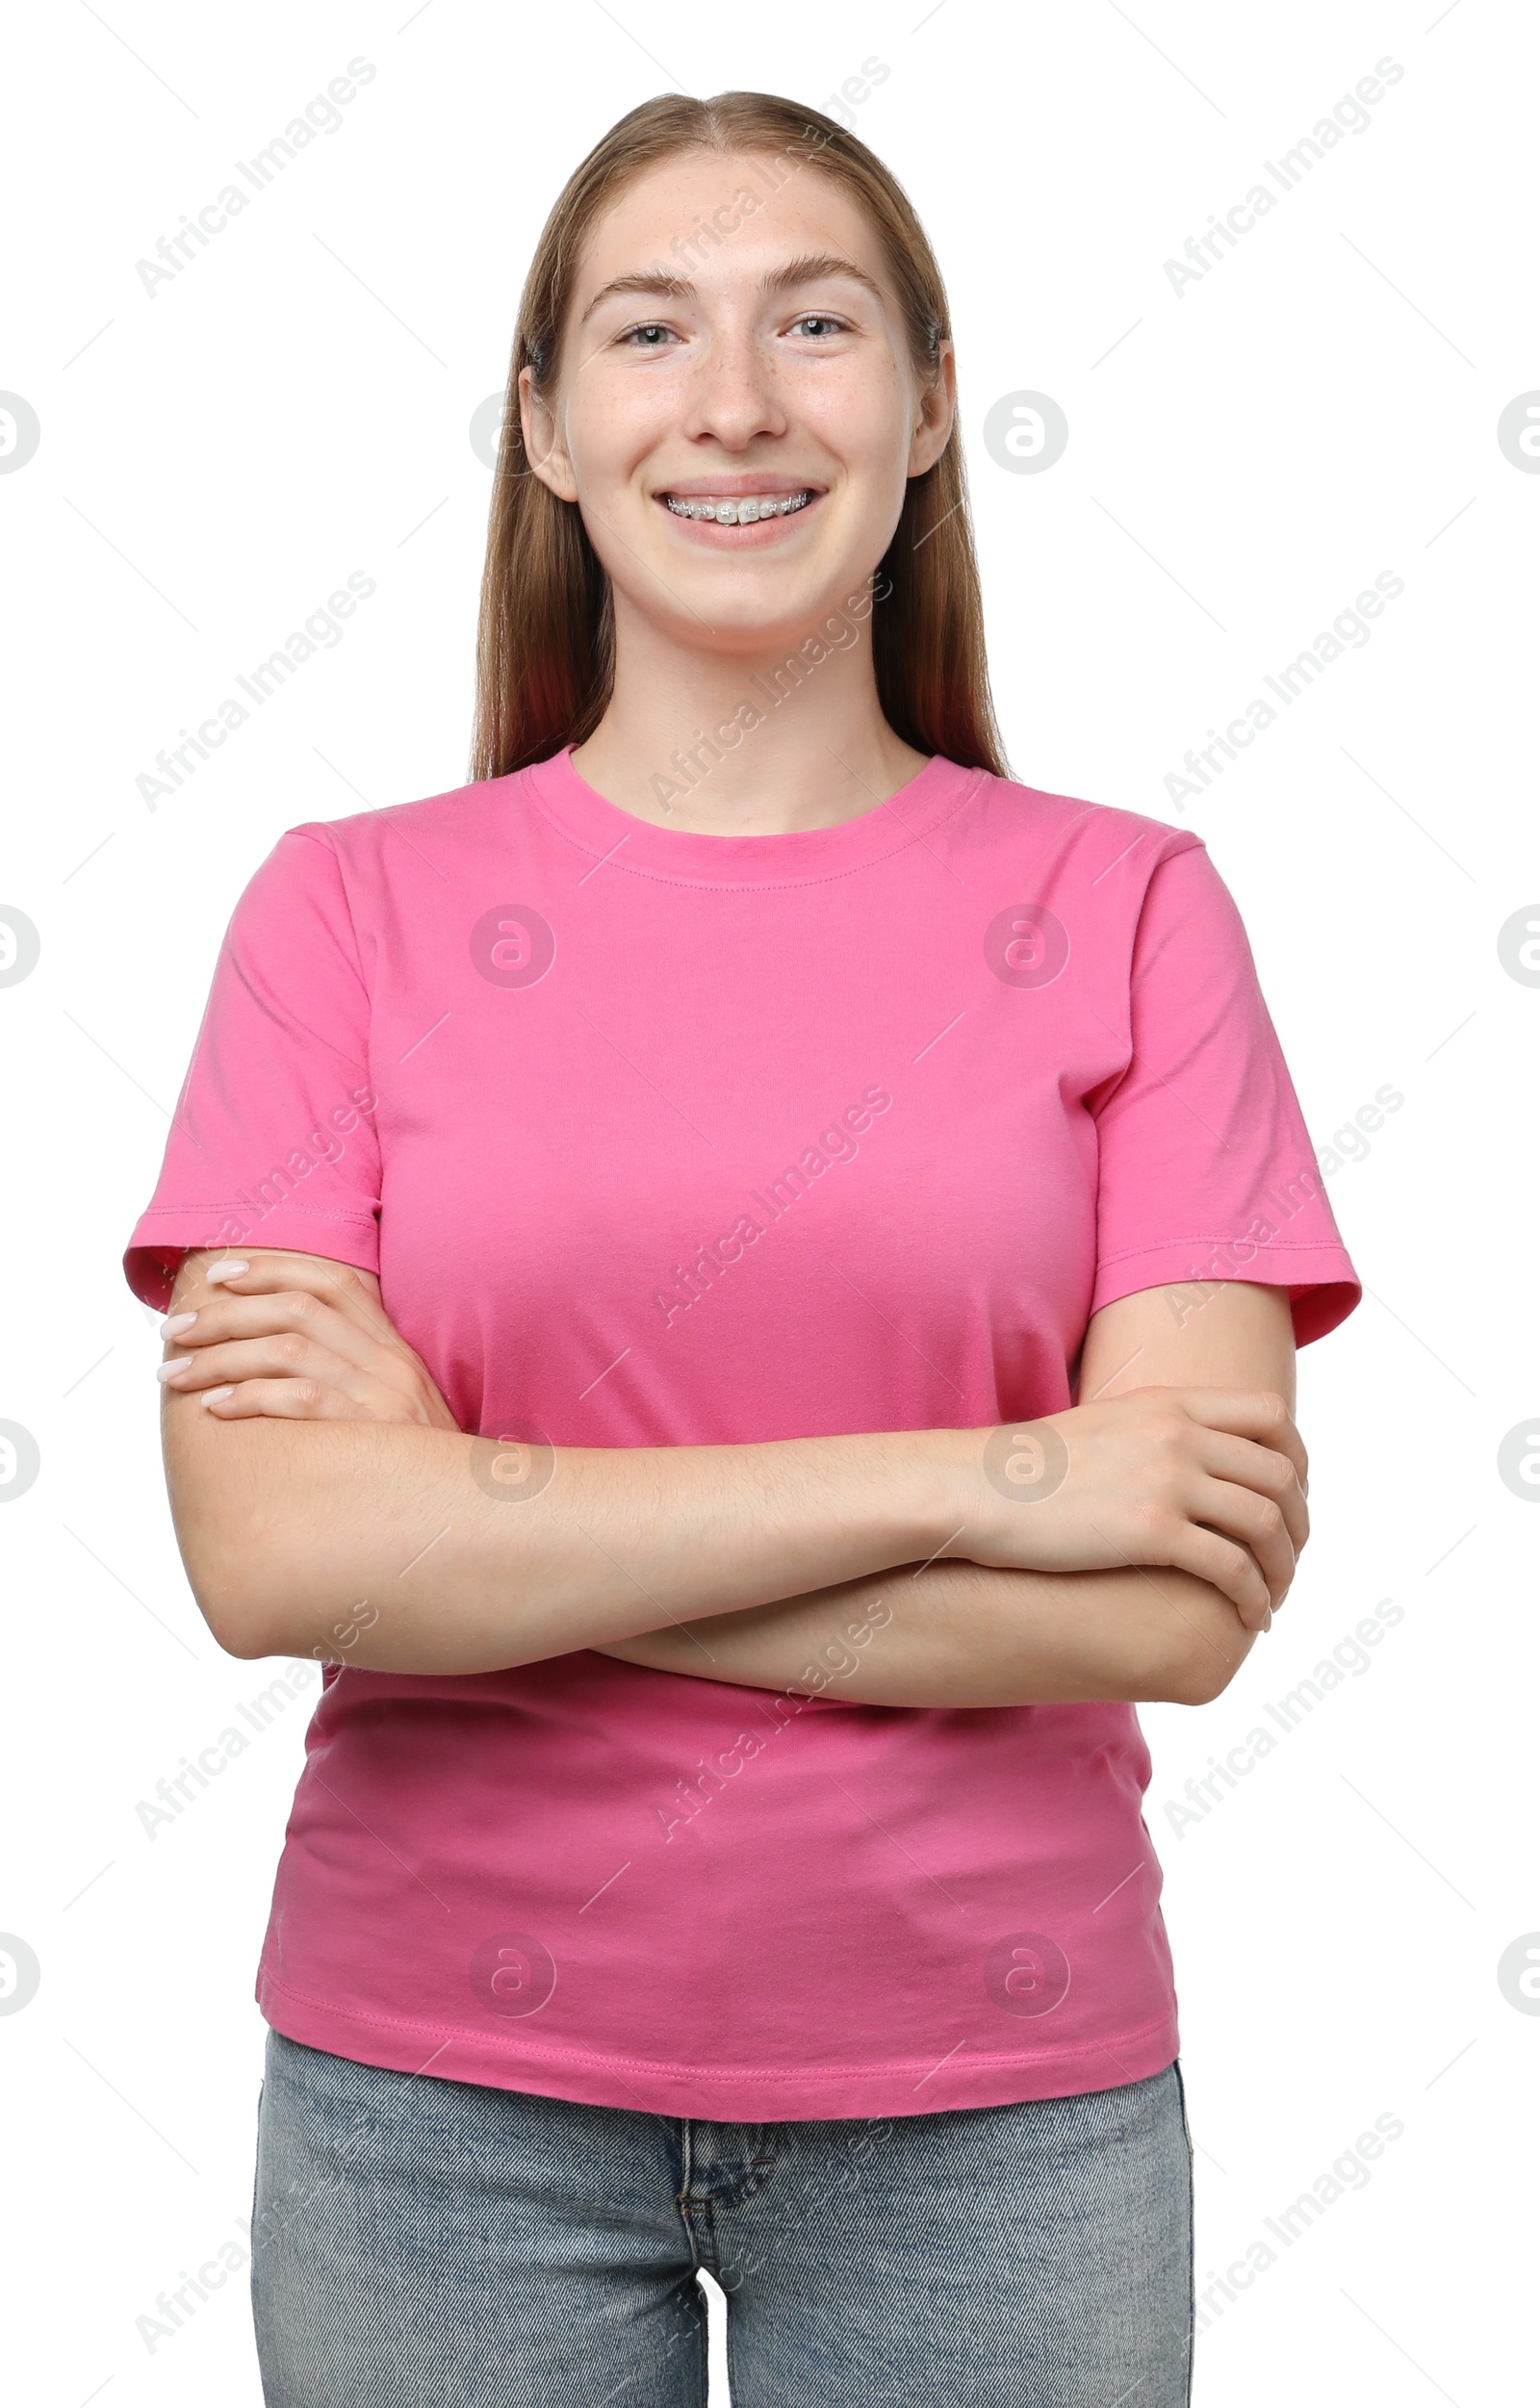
[859, 406]
[863, 420]
[613, 423]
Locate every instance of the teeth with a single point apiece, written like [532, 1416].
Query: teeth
[740, 512]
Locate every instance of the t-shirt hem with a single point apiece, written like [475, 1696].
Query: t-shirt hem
[737, 2094]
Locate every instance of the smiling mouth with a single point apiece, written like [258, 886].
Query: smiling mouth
[744, 512]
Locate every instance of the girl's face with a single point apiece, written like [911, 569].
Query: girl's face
[767, 369]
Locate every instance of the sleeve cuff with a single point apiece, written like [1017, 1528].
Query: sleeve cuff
[1322, 1285]
[155, 1251]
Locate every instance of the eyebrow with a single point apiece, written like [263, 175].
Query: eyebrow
[812, 268]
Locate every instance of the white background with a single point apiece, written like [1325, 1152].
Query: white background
[1243, 460]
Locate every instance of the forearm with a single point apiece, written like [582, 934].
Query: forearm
[398, 1548]
[327, 1504]
[960, 1634]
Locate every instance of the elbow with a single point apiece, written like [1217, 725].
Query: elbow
[1203, 1668]
[239, 1614]
[248, 1564]
[239, 1636]
[239, 1626]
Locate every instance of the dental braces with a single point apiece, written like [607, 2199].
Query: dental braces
[739, 513]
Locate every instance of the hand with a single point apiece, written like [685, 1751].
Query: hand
[1211, 1481]
[293, 1337]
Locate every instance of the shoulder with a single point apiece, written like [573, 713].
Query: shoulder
[1093, 847]
[450, 825]
[332, 888]
[374, 868]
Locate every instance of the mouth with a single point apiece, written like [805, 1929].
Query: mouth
[740, 509]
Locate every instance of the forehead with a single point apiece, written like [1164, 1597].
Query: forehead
[767, 209]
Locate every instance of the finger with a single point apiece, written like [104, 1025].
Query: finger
[1259, 1414]
[1225, 1563]
[277, 1400]
[1255, 1522]
[1266, 1471]
[348, 1290]
[276, 1358]
[1228, 1567]
[287, 1311]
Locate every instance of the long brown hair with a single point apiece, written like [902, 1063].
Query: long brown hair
[545, 644]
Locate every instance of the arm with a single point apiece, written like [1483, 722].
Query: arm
[326, 1503]
[960, 1634]
[963, 1634]
[396, 1542]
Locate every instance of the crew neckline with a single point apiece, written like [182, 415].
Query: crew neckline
[793, 858]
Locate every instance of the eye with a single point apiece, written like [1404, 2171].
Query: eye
[650, 328]
[820, 318]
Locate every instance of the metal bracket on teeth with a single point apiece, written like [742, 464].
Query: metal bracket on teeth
[743, 513]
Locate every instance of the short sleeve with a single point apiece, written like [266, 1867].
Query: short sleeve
[1206, 1169]
[273, 1140]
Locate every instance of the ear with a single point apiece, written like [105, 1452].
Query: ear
[936, 413]
[541, 445]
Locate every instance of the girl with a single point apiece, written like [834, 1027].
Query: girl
[735, 1281]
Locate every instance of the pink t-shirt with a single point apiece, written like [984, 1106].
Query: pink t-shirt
[659, 1138]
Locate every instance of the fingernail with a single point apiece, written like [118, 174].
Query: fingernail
[176, 1363]
[217, 1395]
[223, 1271]
[178, 1321]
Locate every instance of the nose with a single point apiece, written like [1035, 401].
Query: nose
[735, 393]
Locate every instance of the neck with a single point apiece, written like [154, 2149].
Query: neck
[762, 741]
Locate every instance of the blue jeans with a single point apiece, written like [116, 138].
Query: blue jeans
[425, 2243]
